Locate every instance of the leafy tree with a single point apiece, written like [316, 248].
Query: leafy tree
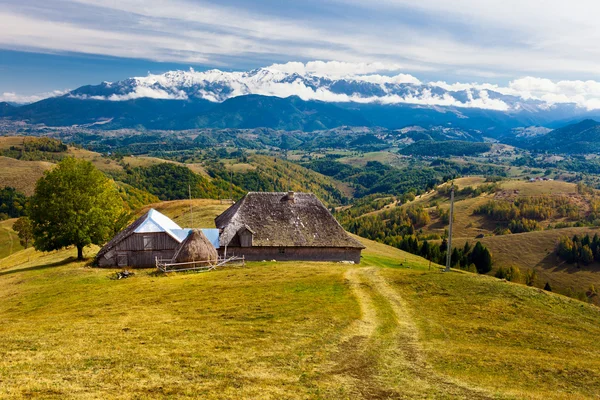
[511, 274]
[74, 204]
[587, 257]
[24, 230]
[12, 203]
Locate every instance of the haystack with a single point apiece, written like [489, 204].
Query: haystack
[196, 249]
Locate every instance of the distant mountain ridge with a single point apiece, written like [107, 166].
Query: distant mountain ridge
[580, 138]
[278, 99]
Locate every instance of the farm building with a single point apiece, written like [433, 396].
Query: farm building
[150, 236]
[284, 226]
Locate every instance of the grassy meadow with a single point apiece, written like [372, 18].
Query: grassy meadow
[9, 241]
[22, 175]
[392, 327]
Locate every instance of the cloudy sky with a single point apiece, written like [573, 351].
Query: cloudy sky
[49, 46]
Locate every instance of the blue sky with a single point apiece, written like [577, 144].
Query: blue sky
[62, 44]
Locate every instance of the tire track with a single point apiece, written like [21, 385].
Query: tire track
[373, 361]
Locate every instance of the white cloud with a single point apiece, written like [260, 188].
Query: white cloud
[583, 93]
[479, 38]
[12, 97]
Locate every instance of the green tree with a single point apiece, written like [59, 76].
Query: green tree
[24, 230]
[587, 257]
[74, 204]
[482, 258]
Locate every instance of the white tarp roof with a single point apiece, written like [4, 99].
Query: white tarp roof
[156, 222]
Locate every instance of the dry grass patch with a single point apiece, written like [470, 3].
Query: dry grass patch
[265, 331]
[102, 163]
[510, 339]
[535, 251]
[22, 175]
[9, 240]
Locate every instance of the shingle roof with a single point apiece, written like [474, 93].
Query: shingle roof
[275, 220]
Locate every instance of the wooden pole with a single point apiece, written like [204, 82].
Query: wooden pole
[449, 247]
[191, 210]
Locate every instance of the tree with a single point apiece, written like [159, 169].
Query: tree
[74, 204]
[587, 257]
[24, 230]
[548, 287]
[481, 257]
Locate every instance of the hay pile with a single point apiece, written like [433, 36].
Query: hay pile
[195, 248]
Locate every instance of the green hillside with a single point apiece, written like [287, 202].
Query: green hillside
[9, 241]
[390, 328]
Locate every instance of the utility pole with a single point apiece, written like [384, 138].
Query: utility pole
[449, 247]
[191, 210]
[231, 186]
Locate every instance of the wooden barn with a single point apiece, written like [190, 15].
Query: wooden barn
[150, 236]
[284, 227]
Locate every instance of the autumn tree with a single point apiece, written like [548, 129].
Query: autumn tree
[74, 204]
[24, 230]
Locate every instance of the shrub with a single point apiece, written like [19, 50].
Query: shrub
[530, 277]
[511, 273]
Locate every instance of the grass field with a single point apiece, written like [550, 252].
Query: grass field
[535, 251]
[22, 175]
[146, 161]
[383, 157]
[393, 327]
[102, 163]
[9, 241]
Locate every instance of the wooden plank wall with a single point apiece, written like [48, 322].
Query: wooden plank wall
[135, 242]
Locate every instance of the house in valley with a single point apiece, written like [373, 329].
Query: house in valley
[284, 226]
[151, 236]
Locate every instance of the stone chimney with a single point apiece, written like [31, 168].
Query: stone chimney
[290, 197]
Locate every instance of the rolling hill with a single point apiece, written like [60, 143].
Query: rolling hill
[391, 327]
[579, 138]
[529, 251]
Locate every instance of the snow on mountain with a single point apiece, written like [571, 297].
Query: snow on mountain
[281, 80]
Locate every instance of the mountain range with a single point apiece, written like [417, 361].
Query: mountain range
[272, 98]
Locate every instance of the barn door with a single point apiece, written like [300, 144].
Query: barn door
[122, 260]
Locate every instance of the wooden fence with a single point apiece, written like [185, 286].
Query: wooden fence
[201, 266]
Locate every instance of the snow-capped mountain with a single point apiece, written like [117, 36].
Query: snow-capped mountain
[281, 97]
[218, 86]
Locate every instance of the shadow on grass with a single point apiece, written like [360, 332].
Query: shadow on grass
[552, 263]
[66, 261]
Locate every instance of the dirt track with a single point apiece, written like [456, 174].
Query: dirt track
[380, 354]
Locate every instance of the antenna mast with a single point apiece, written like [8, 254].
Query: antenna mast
[449, 247]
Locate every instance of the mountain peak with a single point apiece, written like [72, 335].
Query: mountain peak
[217, 86]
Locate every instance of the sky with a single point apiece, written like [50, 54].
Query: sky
[48, 47]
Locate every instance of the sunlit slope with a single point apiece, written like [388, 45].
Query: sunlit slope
[389, 328]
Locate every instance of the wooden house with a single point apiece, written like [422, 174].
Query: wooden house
[284, 226]
[150, 236]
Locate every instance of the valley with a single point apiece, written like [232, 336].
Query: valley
[376, 181]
